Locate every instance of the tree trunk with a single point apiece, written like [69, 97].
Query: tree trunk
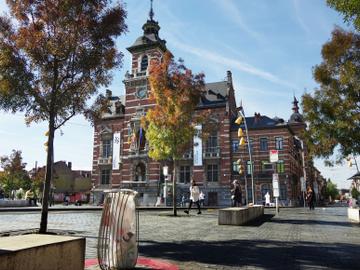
[48, 177]
[174, 188]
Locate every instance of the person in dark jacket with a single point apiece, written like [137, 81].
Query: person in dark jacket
[310, 198]
[236, 194]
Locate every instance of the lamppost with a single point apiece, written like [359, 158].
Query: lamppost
[238, 121]
[165, 173]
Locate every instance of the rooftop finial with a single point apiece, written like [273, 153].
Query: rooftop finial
[151, 13]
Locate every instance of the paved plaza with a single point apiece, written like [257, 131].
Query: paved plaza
[296, 239]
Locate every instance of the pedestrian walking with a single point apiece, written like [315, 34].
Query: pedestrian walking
[236, 194]
[194, 197]
[310, 198]
[202, 198]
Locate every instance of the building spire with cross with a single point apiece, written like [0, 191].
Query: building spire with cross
[151, 13]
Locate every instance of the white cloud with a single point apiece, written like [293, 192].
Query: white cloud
[298, 17]
[232, 12]
[229, 63]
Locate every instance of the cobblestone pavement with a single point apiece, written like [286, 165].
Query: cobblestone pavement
[296, 239]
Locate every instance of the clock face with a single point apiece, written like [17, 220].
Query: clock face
[141, 92]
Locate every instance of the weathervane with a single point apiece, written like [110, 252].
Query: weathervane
[151, 13]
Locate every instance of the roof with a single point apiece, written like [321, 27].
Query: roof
[356, 176]
[216, 94]
[259, 122]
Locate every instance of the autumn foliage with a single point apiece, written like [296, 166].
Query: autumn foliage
[169, 125]
[54, 56]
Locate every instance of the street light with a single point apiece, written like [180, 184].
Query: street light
[241, 117]
[165, 173]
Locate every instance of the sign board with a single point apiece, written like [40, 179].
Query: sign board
[275, 184]
[197, 147]
[116, 151]
[274, 155]
[303, 184]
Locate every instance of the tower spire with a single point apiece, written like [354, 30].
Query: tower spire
[151, 13]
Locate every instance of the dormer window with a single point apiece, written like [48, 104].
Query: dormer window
[144, 63]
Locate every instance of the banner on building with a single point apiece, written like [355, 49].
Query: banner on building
[116, 151]
[198, 146]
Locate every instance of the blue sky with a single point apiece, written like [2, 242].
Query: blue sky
[270, 47]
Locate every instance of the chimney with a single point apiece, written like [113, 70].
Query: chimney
[108, 93]
[69, 165]
[257, 117]
[229, 77]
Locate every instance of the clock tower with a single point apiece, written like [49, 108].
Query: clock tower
[138, 169]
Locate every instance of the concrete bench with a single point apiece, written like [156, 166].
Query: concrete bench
[42, 252]
[239, 215]
[13, 203]
[354, 214]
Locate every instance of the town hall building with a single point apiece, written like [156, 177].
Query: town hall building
[120, 150]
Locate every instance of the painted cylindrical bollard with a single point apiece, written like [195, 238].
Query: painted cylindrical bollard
[118, 232]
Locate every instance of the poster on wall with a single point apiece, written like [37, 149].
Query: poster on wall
[116, 151]
[197, 146]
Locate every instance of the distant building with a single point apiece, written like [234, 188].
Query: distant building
[120, 158]
[75, 184]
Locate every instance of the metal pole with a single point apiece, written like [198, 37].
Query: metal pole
[357, 168]
[251, 163]
[277, 205]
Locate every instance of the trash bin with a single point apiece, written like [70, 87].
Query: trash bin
[119, 231]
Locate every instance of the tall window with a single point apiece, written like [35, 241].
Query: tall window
[283, 192]
[249, 168]
[106, 148]
[105, 176]
[235, 145]
[249, 190]
[280, 167]
[212, 173]
[279, 143]
[235, 167]
[184, 174]
[251, 142]
[212, 143]
[264, 189]
[266, 166]
[144, 63]
[263, 144]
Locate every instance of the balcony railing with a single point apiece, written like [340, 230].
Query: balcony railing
[105, 161]
[212, 152]
[188, 155]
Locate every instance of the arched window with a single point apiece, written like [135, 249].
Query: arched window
[144, 63]
[140, 172]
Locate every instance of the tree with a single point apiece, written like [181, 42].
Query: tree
[53, 59]
[333, 110]
[349, 8]
[332, 191]
[170, 123]
[355, 193]
[15, 175]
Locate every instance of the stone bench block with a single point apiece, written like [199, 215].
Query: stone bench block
[42, 252]
[239, 215]
[13, 203]
[354, 214]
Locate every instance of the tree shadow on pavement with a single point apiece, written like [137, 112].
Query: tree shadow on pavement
[265, 254]
[315, 222]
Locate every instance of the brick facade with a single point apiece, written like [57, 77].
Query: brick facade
[137, 171]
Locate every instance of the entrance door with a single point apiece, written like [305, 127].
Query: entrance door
[213, 199]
